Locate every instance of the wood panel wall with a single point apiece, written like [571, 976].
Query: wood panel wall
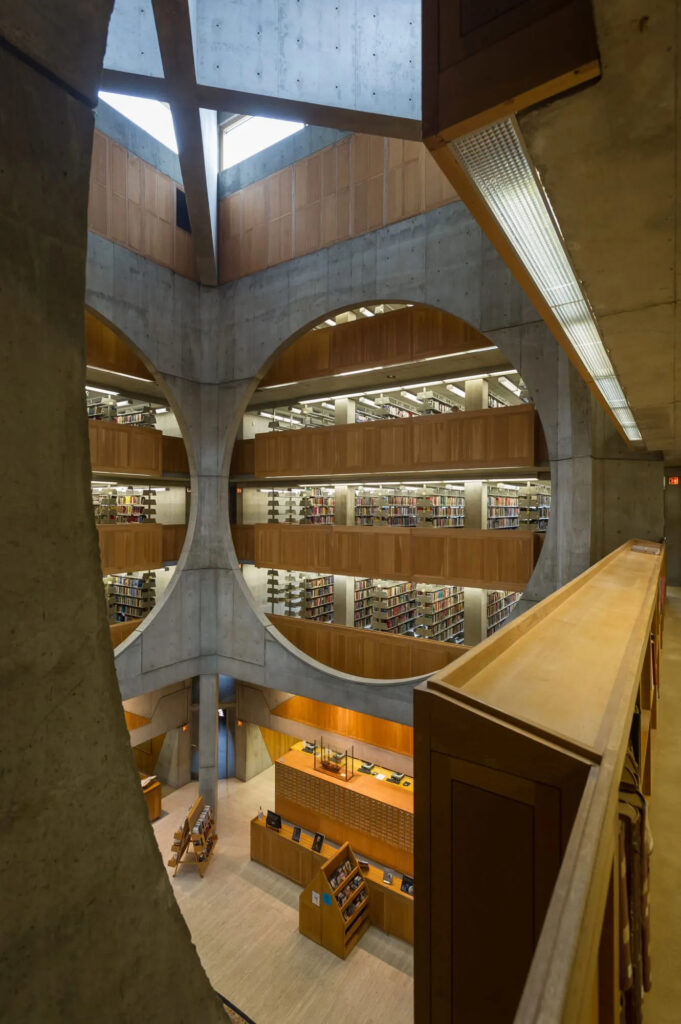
[172, 540]
[401, 336]
[109, 351]
[133, 204]
[460, 440]
[117, 447]
[501, 559]
[328, 718]
[130, 547]
[358, 184]
[361, 652]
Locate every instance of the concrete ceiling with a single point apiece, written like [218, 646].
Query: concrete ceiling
[608, 156]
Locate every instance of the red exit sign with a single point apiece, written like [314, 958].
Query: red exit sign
[673, 481]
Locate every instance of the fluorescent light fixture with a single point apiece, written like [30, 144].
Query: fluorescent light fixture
[366, 312]
[330, 322]
[365, 369]
[412, 397]
[123, 402]
[295, 408]
[329, 405]
[456, 391]
[101, 391]
[161, 409]
[509, 385]
[154, 117]
[369, 401]
[250, 135]
[494, 158]
[129, 376]
[281, 419]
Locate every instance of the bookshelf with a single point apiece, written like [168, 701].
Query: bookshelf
[399, 509]
[500, 604]
[364, 592]
[136, 414]
[101, 407]
[318, 598]
[503, 509]
[283, 506]
[367, 509]
[444, 508]
[394, 607]
[440, 613]
[318, 506]
[105, 505]
[195, 840]
[334, 905]
[284, 587]
[535, 506]
[136, 506]
[130, 596]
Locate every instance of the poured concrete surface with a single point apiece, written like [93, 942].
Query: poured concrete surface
[244, 922]
[663, 1003]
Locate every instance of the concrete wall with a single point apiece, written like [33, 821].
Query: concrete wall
[137, 141]
[90, 928]
[210, 347]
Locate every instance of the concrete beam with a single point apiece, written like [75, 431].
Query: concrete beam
[196, 132]
[241, 102]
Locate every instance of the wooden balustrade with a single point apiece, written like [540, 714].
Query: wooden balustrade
[174, 455]
[519, 751]
[172, 541]
[363, 652]
[401, 336]
[120, 631]
[130, 547]
[119, 448]
[501, 559]
[488, 438]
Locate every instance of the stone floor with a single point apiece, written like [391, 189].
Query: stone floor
[244, 922]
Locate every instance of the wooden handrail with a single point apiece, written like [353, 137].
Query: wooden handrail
[537, 719]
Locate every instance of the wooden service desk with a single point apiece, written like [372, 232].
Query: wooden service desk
[389, 908]
[374, 816]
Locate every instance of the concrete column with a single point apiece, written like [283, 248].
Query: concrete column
[475, 615]
[476, 395]
[475, 493]
[344, 411]
[250, 753]
[208, 740]
[344, 600]
[174, 762]
[345, 505]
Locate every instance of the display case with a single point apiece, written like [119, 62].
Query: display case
[339, 763]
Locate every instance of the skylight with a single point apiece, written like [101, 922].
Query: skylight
[250, 135]
[151, 115]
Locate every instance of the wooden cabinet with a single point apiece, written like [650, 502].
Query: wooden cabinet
[466, 440]
[362, 652]
[130, 547]
[519, 750]
[495, 559]
[116, 447]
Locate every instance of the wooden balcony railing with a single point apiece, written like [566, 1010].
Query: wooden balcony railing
[501, 559]
[132, 547]
[364, 652]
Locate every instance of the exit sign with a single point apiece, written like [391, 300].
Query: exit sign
[673, 481]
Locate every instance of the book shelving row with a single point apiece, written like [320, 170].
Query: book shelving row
[132, 413]
[440, 613]
[130, 595]
[535, 506]
[318, 598]
[503, 512]
[123, 505]
[500, 604]
[394, 607]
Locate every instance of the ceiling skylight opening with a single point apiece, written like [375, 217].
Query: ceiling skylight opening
[246, 136]
[152, 116]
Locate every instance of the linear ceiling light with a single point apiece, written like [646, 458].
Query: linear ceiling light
[117, 373]
[509, 385]
[495, 160]
[101, 391]
[456, 391]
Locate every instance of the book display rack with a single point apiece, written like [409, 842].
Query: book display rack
[535, 506]
[503, 511]
[194, 842]
[130, 596]
[318, 598]
[105, 504]
[318, 506]
[334, 906]
[443, 508]
[500, 604]
[439, 613]
[364, 593]
[394, 607]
